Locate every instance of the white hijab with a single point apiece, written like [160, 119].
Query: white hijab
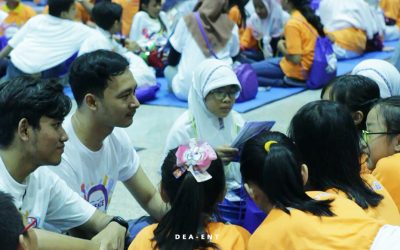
[383, 73]
[209, 75]
[342, 14]
[272, 26]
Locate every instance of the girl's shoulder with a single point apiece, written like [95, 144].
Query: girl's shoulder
[227, 236]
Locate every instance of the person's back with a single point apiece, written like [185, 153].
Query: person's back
[46, 41]
[275, 176]
[193, 181]
[336, 168]
[349, 228]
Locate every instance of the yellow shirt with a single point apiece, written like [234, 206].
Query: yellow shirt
[391, 9]
[300, 40]
[19, 16]
[351, 39]
[351, 228]
[386, 211]
[129, 9]
[227, 237]
[387, 171]
[235, 16]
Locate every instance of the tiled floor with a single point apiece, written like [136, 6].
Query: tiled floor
[150, 128]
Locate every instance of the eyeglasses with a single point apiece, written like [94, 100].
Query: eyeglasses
[32, 223]
[221, 94]
[366, 133]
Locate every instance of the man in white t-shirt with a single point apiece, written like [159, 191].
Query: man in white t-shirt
[31, 135]
[43, 45]
[99, 152]
[107, 17]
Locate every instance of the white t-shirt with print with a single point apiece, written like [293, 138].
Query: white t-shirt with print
[94, 174]
[46, 41]
[46, 197]
[102, 39]
[191, 56]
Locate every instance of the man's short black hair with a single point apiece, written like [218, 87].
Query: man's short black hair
[30, 98]
[91, 73]
[106, 13]
[56, 7]
[11, 225]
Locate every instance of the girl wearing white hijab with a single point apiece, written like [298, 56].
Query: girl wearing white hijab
[383, 73]
[210, 118]
[350, 23]
[264, 24]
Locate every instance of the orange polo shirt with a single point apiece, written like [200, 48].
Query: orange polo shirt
[18, 16]
[300, 40]
[391, 8]
[387, 171]
[129, 9]
[229, 237]
[235, 16]
[386, 211]
[351, 39]
[351, 228]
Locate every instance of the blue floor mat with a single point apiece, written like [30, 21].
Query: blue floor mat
[346, 66]
[264, 96]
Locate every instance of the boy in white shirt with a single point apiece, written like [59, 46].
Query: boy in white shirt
[99, 152]
[45, 42]
[107, 17]
[31, 135]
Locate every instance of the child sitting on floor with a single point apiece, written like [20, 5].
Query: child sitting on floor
[192, 182]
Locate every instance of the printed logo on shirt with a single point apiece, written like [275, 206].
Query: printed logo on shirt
[99, 195]
[376, 186]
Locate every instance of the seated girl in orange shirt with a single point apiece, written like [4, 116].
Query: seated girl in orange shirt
[274, 176]
[300, 32]
[192, 182]
[265, 27]
[383, 138]
[328, 140]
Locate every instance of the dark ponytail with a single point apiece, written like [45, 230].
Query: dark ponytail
[304, 7]
[278, 173]
[192, 204]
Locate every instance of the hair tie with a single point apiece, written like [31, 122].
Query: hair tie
[195, 157]
[267, 145]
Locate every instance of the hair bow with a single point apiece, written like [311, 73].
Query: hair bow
[195, 157]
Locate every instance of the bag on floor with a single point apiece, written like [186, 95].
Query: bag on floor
[244, 72]
[324, 66]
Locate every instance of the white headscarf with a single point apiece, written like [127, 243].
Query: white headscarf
[383, 73]
[342, 14]
[209, 75]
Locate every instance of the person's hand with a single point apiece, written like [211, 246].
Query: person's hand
[132, 46]
[226, 153]
[112, 237]
[281, 46]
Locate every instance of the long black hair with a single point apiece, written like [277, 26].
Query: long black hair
[304, 7]
[192, 204]
[327, 138]
[389, 108]
[278, 173]
[357, 93]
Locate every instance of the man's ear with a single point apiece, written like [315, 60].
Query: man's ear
[397, 145]
[358, 117]
[304, 173]
[91, 102]
[23, 129]
[21, 243]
